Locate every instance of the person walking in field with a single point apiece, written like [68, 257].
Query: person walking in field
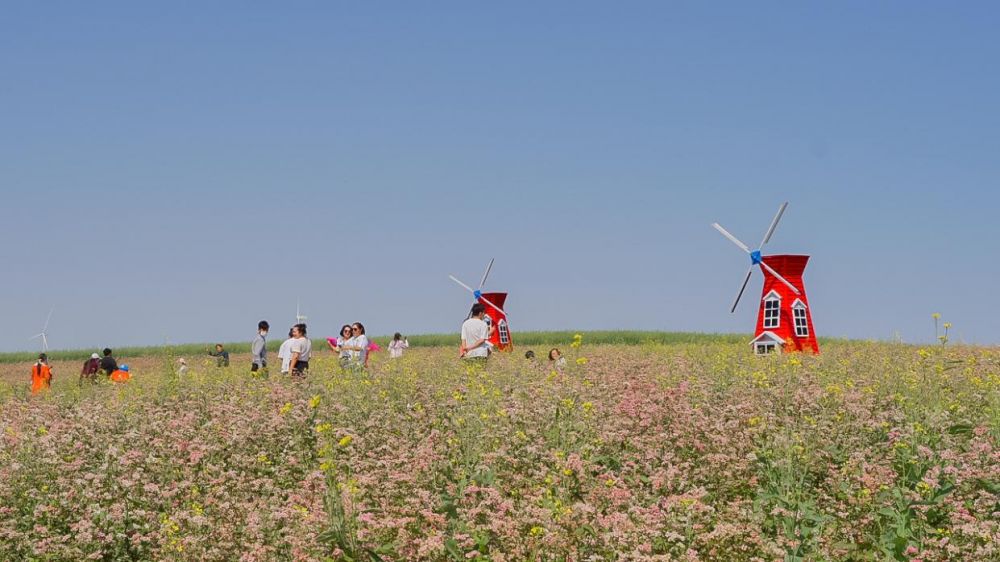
[108, 363]
[41, 375]
[121, 374]
[90, 368]
[397, 345]
[301, 350]
[258, 349]
[337, 345]
[476, 336]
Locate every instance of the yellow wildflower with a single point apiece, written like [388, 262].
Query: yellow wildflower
[345, 441]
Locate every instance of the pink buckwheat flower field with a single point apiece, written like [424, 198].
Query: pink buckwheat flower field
[638, 453]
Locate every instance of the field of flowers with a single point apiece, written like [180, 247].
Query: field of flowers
[639, 453]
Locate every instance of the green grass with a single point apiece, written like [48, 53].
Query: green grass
[521, 340]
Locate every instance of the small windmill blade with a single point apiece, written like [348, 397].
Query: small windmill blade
[742, 289]
[779, 277]
[731, 238]
[487, 274]
[774, 224]
[476, 294]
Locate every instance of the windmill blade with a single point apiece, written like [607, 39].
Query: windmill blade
[774, 224]
[779, 277]
[466, 287]
[45, 343]
[731, 238]
[473, 291]
[487, 274]
[743, 288]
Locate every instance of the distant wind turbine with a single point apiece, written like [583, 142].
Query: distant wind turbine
[43, 335]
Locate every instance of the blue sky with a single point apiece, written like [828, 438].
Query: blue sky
[180, 171]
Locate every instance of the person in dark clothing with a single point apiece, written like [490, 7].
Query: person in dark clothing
[90, 368]
[221, 355]
[108, 364]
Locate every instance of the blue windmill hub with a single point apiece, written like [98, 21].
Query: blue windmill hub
[477, 294]
[756, 258]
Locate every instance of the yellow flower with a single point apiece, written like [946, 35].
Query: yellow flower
[936, 316]
[537, 531]
[567, 472]
[314, 401]
[947, 325]
[323, 427]
[286, 408]
[581, 361]
[345, 441]
[43, 431]
[587, 406]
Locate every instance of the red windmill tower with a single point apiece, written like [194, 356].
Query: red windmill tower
[784, 320]
[495, 315]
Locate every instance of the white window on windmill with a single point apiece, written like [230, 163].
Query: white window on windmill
[772, 310]
[767, 342]
[504, 332]
[801, 322]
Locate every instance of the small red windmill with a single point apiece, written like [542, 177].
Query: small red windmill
[784, 320]
[495, 315]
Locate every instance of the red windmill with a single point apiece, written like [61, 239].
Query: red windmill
[495, 315]
[784, 320]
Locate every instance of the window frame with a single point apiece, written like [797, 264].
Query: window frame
[775, 298]
[801, 329]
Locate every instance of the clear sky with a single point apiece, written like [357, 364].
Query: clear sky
[180, 170]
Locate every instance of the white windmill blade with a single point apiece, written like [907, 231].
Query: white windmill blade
[45, 343]
[774, 224]
[473, 291]
[731, 238]
[487, 274]
[779, 277]
[742, 289]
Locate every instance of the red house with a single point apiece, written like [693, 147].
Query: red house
[784, 321]
[500, 339]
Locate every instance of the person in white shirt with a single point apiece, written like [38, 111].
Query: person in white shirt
[285, 354]
[301, 349]
[337, 344]
[397, 345]
[358, 346]
[476, 336]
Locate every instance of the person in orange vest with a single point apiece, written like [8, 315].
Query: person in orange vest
[41, 375]
[121, 374]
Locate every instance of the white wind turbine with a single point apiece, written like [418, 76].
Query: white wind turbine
[43, 335]
[299, 318]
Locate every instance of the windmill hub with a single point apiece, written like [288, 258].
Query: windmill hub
[755, 257]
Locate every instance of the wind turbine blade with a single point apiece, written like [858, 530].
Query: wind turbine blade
[731, 238]
[743, 288]
[779, 277]
[35, 337]
[466, 287]
[48, 318]
[774, 224]
[45, 343]
[487, 274]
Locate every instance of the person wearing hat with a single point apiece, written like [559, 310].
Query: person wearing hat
[90, 368]
[41, 375]
[121, 375]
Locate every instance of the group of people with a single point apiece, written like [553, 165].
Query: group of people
[42, 372]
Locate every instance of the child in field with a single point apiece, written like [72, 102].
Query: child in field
[121, 375]
[108, 364]
[397, 345]
[556, 360]
[41, 375]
